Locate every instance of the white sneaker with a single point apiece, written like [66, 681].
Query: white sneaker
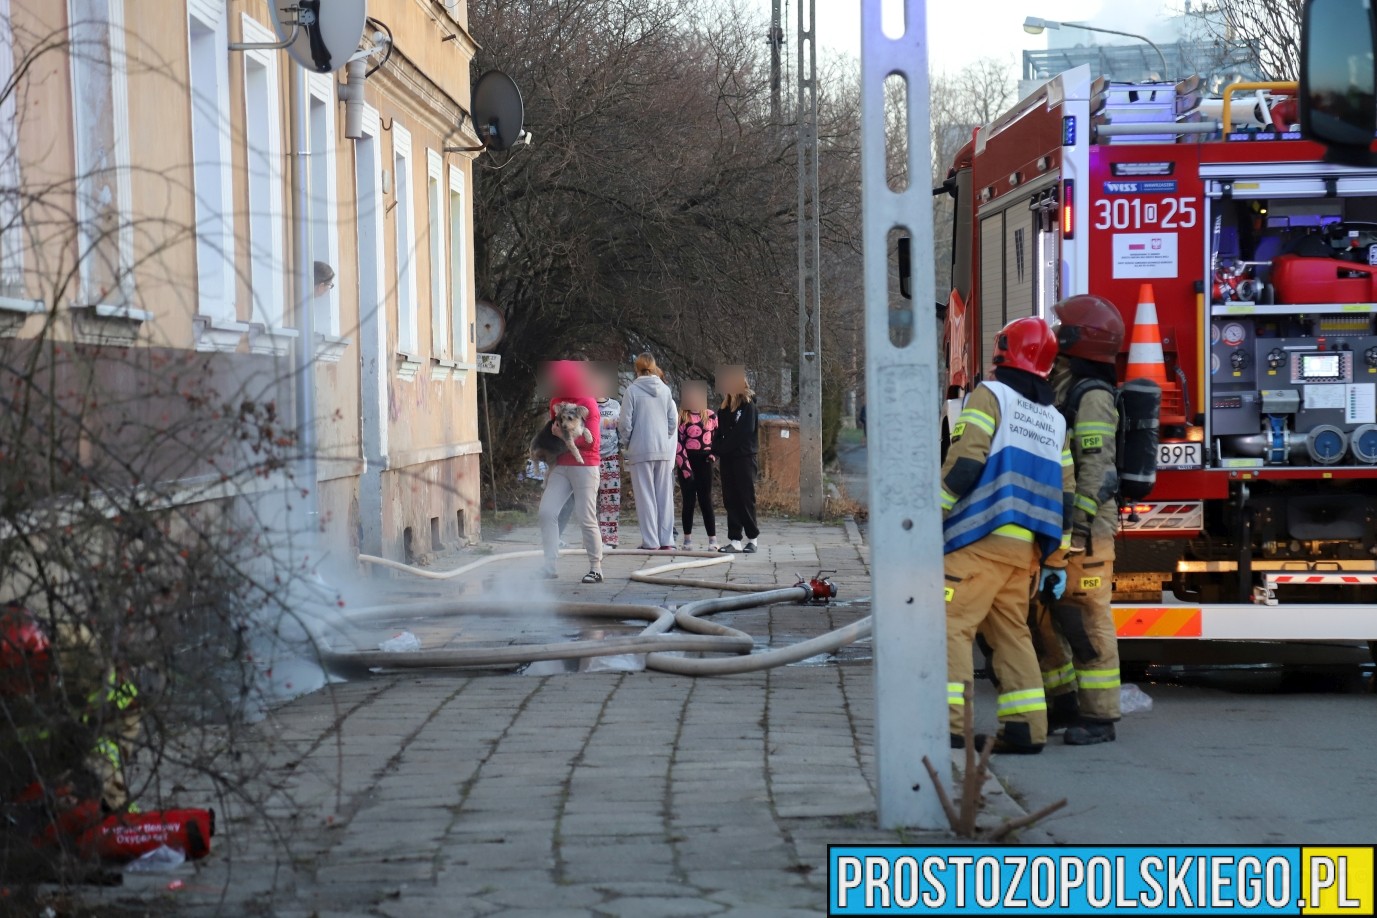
[687, 544]
[712, 544]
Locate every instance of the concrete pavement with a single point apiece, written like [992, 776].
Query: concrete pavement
[589, 794]
[1213, 766]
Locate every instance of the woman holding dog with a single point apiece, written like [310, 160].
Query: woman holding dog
[573, 476]
[649, 430]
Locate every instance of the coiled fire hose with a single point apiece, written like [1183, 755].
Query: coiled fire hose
[662, 649]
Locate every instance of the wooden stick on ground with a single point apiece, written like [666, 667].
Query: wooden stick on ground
[970, 787]
[942, 796]
[1012, 824]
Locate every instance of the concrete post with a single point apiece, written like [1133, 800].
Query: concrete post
[902, 423]
[811, 503]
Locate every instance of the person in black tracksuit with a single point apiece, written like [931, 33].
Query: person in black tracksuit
[736, 445]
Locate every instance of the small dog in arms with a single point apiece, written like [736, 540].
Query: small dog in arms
[563, 434]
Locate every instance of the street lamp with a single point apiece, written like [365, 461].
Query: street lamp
[1035, 26]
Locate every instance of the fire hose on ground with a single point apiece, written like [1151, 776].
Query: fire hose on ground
[663, 650]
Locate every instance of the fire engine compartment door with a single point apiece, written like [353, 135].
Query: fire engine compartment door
[1016, 242]
[1308, 187]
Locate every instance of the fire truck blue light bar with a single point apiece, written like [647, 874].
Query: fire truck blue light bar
[1068, 130]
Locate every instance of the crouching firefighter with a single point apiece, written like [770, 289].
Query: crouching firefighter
[1073, 627]
[1006, 487]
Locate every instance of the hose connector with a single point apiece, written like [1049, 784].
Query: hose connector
[820, 589]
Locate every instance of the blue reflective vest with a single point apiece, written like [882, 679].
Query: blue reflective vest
[1021, 484]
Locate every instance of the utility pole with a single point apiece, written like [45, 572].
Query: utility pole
[776, 52]
[902, 428]
[810, 496]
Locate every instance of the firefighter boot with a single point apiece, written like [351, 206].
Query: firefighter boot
[1063, 711]
[1016, 738]
[1087, 733]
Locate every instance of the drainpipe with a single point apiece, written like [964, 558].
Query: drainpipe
[305, 288]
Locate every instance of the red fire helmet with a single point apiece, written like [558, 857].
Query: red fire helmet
[24, 651]
[1088, 326]
[1026, 344]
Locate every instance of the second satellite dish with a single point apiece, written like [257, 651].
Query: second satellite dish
[497, 111]
[328, 32]
[490, 326]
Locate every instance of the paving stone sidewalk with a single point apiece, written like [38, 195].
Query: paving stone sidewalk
[588, 794]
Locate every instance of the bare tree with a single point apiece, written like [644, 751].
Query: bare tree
[656, 208]
[1271, 28]
[961, 102]
[143, 494]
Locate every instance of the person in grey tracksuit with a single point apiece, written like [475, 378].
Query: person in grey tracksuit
[649, 429]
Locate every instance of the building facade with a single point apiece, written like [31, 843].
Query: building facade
[150, 163]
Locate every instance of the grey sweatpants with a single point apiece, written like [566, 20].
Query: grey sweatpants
[580, 482]
[653, 483]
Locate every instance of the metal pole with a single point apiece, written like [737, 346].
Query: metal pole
[776, 47]
[305, 286]
[492, 467]
[902, 424]
[810, 496]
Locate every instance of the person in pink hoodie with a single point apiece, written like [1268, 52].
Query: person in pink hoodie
[569, 382]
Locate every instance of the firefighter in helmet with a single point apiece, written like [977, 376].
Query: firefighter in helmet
[1006, 486]
[1077, 645]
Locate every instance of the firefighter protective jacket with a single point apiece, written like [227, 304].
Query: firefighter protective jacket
[1001, 472]
[1095, 513]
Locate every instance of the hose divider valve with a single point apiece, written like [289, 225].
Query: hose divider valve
[820, 589]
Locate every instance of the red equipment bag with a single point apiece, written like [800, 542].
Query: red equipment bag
[123, 837]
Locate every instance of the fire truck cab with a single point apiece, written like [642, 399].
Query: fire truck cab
[1261, 260]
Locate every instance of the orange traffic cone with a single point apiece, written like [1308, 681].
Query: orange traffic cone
[1146, 359]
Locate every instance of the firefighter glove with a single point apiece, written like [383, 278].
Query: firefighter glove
[1053, 582]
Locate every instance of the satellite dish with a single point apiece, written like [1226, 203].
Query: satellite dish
[497, 111]
[490, 326]
[328, 32]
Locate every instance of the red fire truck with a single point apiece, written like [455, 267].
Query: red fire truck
[1262, 261]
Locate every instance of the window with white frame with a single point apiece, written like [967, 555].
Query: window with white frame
[439, 326]
[458, 265]
[105, 231]
[212, 180]
[324, 196]
[264, 158]
[11, 208]
[408, 324]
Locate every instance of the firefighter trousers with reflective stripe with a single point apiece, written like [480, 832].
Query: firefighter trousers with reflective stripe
[1077, 647]
[992, 596]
